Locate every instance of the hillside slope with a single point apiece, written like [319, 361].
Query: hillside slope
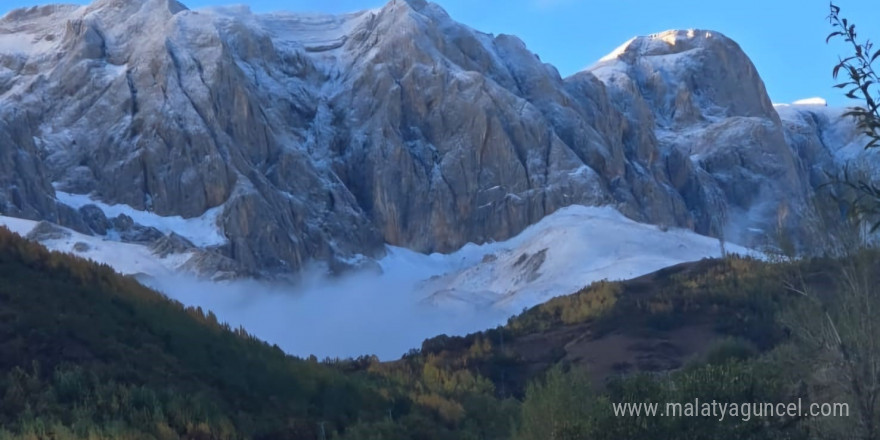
[87, 353]
[654, 323]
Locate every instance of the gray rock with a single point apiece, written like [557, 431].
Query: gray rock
[724, 144]
[338, 267]
[25, 190]
[71, 218]
[212, 265]
[122, 223]
[132, 232]
[171, 244]
[95, 219]
[47, 231]
[141, 234]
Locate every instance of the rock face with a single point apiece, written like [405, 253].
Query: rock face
[722, 141]
[47, 231]
[324, 137]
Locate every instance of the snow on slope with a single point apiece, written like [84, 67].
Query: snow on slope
[417, 296]
[420, 296]
[23, 44]
[125, 258]
[561, 254]
[315, 32]
[839, 134]
[19, 226]
[201, 231]
[22, 33]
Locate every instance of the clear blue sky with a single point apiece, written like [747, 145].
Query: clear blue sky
[784, 38]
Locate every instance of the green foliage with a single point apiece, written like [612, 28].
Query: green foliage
[863, 81]
[836, 335]
[587, 304]
[740, 295]
[863, 84]
[730, 349]
[730, 382]
[562, 406]
[737, 296]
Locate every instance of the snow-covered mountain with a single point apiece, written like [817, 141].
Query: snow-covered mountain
[179, 145]
[290, 139]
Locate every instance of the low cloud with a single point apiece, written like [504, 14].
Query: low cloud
[359, 314]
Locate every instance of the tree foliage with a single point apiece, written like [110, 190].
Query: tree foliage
[861, 83]
[561, 406]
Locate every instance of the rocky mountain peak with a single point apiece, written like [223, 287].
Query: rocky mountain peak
[684, 72]
[162, 7]
[667, 43]
[413, 18]
[415, 5]
[324, 137]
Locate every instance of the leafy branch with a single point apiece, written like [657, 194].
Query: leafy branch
[862, 84]
[863, 79]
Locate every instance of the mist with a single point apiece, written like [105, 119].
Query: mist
[358, 314]
[420, 296]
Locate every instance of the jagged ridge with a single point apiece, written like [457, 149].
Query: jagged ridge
[323, 137]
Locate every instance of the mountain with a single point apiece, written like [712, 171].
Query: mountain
[156, 140]
[300, 138]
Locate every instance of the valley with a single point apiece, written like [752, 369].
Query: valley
[385, 225]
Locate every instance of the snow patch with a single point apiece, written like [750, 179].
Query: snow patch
[202, 231]
[419, 296]
[125, 258]
[416, 296]
[24, 44]
[559, 255]
[19, 226]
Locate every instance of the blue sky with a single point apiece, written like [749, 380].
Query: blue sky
[784, 38]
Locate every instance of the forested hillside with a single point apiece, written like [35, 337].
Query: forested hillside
[87, 353]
